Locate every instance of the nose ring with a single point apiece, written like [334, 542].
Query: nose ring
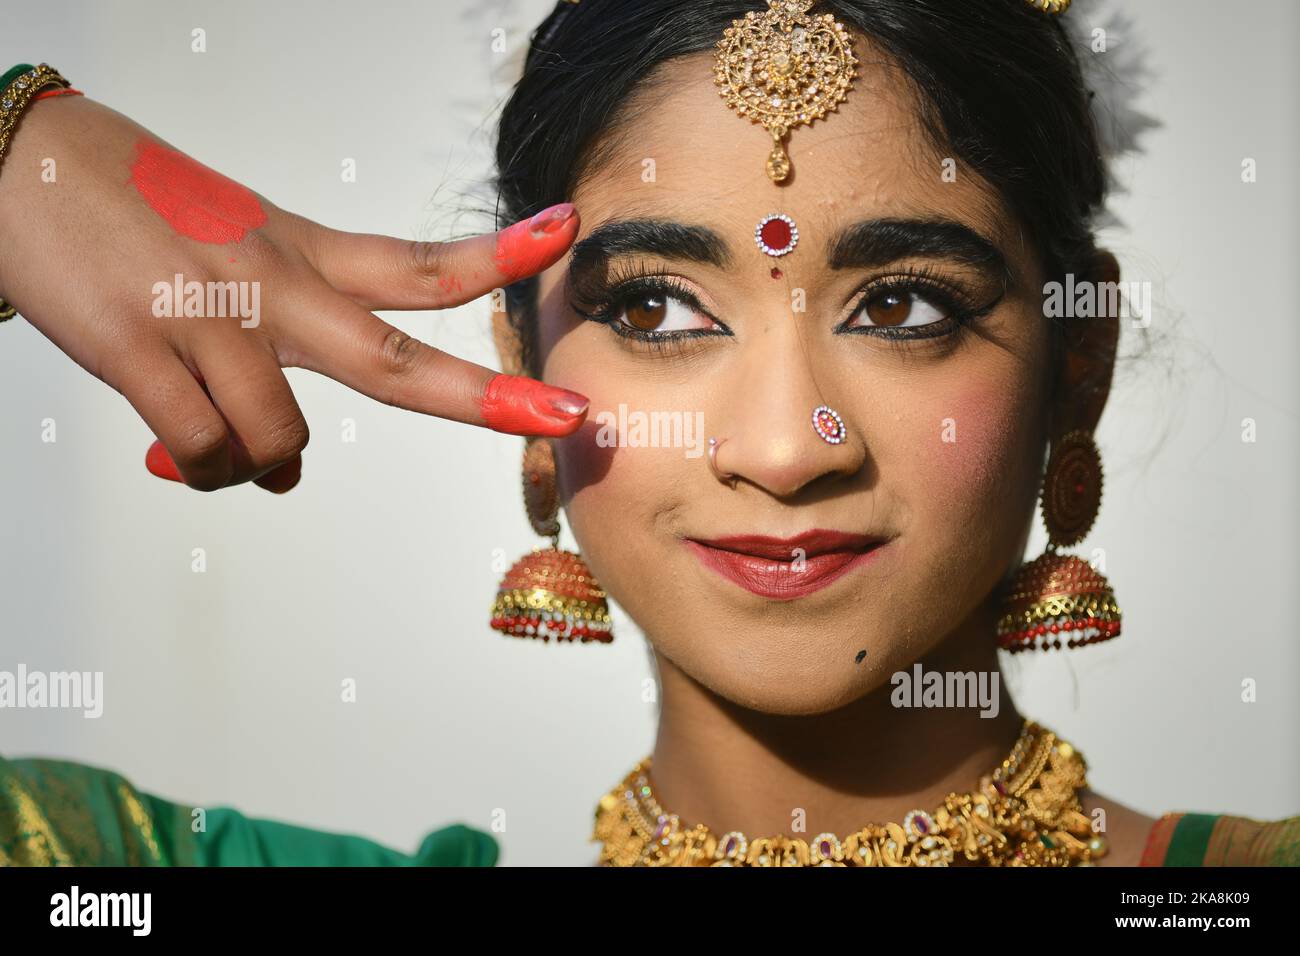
[726, 478]
[827, 423]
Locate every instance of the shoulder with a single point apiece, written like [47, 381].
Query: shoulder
[1219, 839]
[59, 813]
[1192, 839]
[1125, 829]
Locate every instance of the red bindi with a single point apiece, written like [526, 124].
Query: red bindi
[776, 235]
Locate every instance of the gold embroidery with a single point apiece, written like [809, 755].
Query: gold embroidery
[27, 836]
[138, 817]
[54, 813]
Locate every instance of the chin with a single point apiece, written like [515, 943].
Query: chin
[819, 688]
[789, 669]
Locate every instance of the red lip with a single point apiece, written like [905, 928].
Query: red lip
[786, 568]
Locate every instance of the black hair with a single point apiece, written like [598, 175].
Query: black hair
[999, 85]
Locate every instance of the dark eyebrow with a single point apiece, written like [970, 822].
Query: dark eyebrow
[658, 237]
[875, 242]
[878, 242]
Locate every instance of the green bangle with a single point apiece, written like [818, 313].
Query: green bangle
[11, 75]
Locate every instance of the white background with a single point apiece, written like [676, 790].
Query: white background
[223, 687]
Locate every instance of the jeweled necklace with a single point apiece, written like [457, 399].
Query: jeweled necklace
[1025, 813]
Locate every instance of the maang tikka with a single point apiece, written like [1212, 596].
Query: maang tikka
[549, 593]
[784, 68]
[1059, 599]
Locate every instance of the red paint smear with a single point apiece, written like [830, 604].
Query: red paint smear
[524, 406]
[160, 463]
[528, 247]
[196, 201]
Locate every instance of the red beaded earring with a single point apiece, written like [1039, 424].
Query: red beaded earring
[549, 593]
[1060, 599]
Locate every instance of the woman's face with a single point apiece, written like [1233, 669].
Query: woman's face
[925, 334]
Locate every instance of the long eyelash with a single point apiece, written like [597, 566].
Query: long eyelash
[930, 285]
[610, 295]
[624, 282]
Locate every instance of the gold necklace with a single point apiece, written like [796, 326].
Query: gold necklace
[1025, 813]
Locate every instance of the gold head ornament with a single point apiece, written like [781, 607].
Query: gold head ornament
[784, 68]
[1050, 6]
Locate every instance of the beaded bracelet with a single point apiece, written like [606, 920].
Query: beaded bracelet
[18, 88]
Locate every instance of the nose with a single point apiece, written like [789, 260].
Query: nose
[767, 437]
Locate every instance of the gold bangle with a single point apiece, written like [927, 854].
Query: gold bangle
[14, 99]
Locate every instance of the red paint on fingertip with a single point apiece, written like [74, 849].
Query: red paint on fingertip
[528, 247]
[196, 201]
[160, 463]
[523, 406]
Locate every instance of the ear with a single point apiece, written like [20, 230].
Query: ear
[1089, 361]
[509, 349]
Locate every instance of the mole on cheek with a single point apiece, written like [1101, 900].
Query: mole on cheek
[195, 201]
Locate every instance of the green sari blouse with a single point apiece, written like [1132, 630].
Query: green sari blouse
[55, 813]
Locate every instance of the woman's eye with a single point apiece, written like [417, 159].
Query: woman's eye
[656, 312]
[898, 309]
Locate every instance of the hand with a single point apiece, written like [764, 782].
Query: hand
[92, 258]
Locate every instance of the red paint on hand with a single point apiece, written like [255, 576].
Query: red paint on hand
[524, 406]
[160, 463]
[196, 201]
[528, 247]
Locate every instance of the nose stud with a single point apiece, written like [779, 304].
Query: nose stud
[826, 422]
[725, 477]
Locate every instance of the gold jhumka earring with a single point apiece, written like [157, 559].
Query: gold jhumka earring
[549, 593]
[1059, 597]
[784, 68]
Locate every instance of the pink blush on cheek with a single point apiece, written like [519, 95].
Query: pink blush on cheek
[977, 437]
[581, 460]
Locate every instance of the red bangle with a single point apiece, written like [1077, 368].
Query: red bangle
[63, 92]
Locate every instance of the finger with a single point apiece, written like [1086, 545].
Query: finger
[278, 480]
[282, 479]
[193, 438]
[356, 348]
[249, 389]
[380, 272]
[160, 463]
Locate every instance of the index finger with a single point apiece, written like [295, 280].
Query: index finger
[381, 272]
[358, 349]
